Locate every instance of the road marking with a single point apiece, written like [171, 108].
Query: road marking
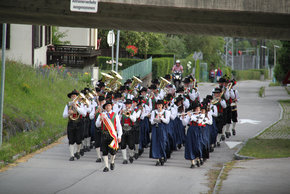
[243, 121]
[232, 144]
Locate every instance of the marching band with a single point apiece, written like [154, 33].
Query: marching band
[161, 117]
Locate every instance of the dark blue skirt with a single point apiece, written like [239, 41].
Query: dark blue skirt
[192, 143]
[158, 141]
[179, 131]
[144, 138]
[171, 140]
[213, 132]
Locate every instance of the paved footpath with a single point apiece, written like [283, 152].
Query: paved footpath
[51, 172]
[261, 175]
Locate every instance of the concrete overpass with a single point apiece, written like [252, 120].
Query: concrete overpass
[237, 18]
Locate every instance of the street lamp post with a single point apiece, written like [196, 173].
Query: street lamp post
[273, 77]
[268, 67]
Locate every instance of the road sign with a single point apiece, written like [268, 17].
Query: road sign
[90, 6]
[197, 55]
[111, 38]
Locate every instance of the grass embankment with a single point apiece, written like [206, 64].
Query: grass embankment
[33, 107]
[274, 142]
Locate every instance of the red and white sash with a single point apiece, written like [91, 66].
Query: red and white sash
[110, 126]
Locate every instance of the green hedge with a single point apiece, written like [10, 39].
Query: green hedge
[161, 67]
[251, 74]
[126, 62]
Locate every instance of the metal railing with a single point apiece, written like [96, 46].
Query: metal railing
[141, 69]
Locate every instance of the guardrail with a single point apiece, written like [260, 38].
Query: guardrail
[141, 69]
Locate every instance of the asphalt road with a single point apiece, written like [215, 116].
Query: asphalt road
[51, 172]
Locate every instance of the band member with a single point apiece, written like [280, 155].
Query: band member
[171, 139]
[110, 124]
[86, 127]
[221, 105]
[159, 119]
[213, 113]
[97, 135]
[235, 100]
[180, 92]
[179, 127]
[137, 107]
[144, 138]
[204, 128]
[148, 101]
[74, 110]
[192, 150]
[118, 104]
[154, 96]
[128, 117]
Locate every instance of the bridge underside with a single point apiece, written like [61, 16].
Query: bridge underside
[174, 20]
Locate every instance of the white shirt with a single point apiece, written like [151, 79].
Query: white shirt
[173, 111]
[213, 110]
[118, 124]
[81, 110]
[164, 120]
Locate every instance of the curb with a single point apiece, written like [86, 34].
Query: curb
[218, 180]
[241, 157]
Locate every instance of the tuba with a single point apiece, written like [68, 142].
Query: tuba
[116, 77]
[135, 82]
[163, 83]
[75, 115]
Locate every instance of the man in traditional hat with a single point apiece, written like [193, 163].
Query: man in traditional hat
[128, 118]
[111, 134]
[74, 111]
[97, 131]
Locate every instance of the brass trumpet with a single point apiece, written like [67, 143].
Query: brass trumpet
[71, 104]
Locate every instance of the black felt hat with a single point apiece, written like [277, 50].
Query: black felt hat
[209, 97]
[167, 76]
[180, 89]
[117, 95]
[107, 102]
[186, 81]
[160, 102]
[144, 89]
[155, 81]
[153, 87]
[74, 92]
[178, 99]
[128, 101]
[221, 80]
[101, 98]
[217, 90]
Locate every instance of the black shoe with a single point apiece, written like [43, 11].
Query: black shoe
[223, 138]
[192, 166]
[136, 156]
[162, 161]
[201, 162]
[91, 146]
[125, 161]
[179, 146]
[72, 158]
[105, 169]
[211, 149]
[197, 163]
[77, 155]
[84, 149]
[99, 160]
[82, 152]
[112, 166]
[131, 159]
[227, 135]
[218, 144]
[157, 163]
[234, 132]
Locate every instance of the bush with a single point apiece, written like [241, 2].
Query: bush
[161, 67]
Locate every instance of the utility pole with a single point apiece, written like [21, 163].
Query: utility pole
[117, 50]
[2, 80]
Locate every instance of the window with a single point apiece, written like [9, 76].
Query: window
[37, 36]
[7, 36]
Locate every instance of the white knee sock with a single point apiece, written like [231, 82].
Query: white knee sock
[106, 161]
[88, 141]
[71, 149]
[136, 148]
[98, 150]
[75, 148]
[83, 143]
[113, 159]
[234, 125]
[228, 127]
[193, 162]
[131, 153]
[78, 147]
[223, 130]
[124, 154]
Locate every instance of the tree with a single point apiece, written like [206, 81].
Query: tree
[174, 44]
[283, 66]
[57, 36]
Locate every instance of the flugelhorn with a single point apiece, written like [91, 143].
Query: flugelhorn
[163, 83]
[75, 114]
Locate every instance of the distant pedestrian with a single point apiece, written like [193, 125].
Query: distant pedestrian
[219, 74]
[211, 75]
